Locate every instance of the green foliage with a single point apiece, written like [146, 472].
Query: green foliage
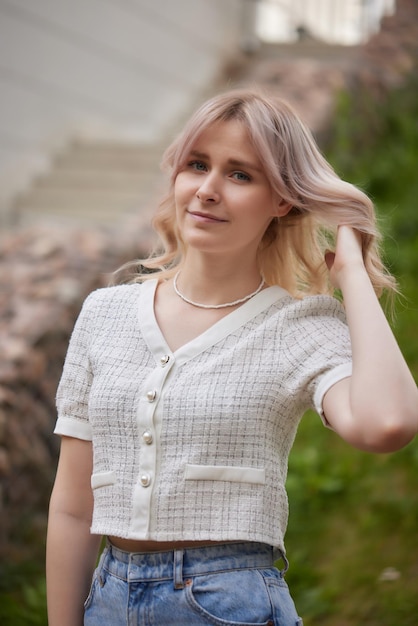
[23, 594]
[353, 528]
[375, 146]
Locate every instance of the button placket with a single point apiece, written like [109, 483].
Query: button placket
[148, 453]
[148, 408]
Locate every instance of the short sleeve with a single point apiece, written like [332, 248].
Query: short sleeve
[318, 346]
[74, 388]
[326, 382]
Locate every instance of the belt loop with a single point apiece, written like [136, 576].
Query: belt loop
[279, 555]
[286, 565]
[178, 569]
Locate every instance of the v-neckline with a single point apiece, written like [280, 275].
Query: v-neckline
[216, 332]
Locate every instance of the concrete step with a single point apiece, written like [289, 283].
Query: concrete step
[97, 179]
[108, 156]
[45, 199]
[94, 182]
[81, 215]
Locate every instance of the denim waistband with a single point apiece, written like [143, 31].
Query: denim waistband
[182, 563]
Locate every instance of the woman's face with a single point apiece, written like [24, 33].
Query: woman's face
[224, 202]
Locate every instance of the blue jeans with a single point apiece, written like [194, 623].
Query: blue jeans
[221, 585]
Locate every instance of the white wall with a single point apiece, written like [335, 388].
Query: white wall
[102, 69]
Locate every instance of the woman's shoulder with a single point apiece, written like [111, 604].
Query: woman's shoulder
[315, 325]
[315, 306]
[111, 301]
[103, 296]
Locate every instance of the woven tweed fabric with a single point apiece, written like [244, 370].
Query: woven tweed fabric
[221, 412]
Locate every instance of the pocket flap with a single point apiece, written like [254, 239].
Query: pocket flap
[103, 479]
[228, 473]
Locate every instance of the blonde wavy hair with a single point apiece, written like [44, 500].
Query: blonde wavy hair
[291, 253]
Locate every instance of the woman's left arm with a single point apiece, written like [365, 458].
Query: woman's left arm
[376, 409]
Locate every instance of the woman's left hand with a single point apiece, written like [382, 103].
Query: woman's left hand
[348, 254]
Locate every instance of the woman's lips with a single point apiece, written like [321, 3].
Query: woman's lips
[205, 217]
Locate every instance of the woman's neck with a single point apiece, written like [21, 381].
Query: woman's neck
[217, 282]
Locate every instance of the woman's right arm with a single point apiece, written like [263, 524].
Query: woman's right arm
[71, 549]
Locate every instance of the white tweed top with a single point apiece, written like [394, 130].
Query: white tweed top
[194, 444]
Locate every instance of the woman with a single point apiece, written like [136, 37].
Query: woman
[182, 391]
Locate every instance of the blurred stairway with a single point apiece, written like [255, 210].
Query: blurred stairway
[103, 184]
[93, 184]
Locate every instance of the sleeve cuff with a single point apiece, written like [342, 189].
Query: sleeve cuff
[71, 427]
[327, 381]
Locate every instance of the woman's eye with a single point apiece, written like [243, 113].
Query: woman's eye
[197, 165]
[241, 176]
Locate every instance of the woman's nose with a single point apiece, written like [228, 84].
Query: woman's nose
[208, 190]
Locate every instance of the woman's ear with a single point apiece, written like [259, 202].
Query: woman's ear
[283, 208]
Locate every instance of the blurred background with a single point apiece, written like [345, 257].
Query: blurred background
[91, 92]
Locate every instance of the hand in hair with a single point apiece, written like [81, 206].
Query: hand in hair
[348, 255]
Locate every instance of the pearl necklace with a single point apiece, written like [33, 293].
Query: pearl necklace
[216, 306]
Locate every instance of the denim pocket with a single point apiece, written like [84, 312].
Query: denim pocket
[89, 599]
[96, 581]
[284, 609]
[107, 601]
[233, 598]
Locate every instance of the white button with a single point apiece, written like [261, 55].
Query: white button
[151, 395]
[147, 437]
[145, 480]
[164, 360]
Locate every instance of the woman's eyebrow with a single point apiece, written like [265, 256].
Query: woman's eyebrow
[198, 155]
[246, 165]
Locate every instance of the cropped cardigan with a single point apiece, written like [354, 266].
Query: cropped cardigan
[194, 444]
